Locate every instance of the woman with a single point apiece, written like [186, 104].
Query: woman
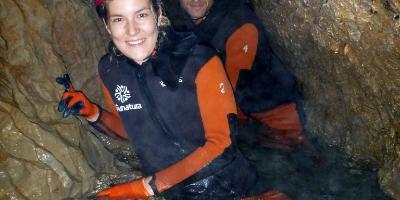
[171, 99]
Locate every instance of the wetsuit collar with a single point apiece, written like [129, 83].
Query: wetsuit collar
[171, 56]
[206, 29]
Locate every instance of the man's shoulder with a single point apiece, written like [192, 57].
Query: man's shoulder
[200, 55]
[203, 51]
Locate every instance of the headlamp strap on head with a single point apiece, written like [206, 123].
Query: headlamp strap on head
[97, 2]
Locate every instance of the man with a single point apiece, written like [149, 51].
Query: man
[264, 89]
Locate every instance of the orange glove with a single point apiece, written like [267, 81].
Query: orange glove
[273, 195]
[75, 102]
[135, 190]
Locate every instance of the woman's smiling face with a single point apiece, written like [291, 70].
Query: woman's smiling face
[133, 27]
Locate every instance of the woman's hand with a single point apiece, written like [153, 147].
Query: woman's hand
[75, 102]
[136, 190]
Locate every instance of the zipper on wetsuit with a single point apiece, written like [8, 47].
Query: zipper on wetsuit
[140, 75]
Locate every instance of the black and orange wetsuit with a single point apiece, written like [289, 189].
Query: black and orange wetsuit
[264, 88]
[179, 126]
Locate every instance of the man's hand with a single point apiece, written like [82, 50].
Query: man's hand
[75, 102]
[136, 190]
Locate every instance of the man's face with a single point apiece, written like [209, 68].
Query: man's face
[133, 28]
[197, 9]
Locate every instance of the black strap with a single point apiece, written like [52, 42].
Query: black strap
[154, 113]
[153, 186]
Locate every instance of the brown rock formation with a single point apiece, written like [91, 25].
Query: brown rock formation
[43, 156]
[347, 56]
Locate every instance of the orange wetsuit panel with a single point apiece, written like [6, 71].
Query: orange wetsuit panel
[283, 117]
[241, 49]
[111, 120]
[216, 101]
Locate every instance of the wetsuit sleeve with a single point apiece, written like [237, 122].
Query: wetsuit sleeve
[216, 101]
[110, 123]
[241, 49]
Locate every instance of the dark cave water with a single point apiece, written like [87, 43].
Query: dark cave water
[321, 174]
[303, 176]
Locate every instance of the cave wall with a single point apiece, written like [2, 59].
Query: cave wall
[346, 54]
[43, 156]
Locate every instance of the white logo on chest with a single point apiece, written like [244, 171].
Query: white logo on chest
[122, 108]
[162, 84]
[122, 93]
[180, 80]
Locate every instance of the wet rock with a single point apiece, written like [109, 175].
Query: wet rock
[43, 156]
[346, 54]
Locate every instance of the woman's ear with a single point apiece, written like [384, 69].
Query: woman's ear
[106, 26]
